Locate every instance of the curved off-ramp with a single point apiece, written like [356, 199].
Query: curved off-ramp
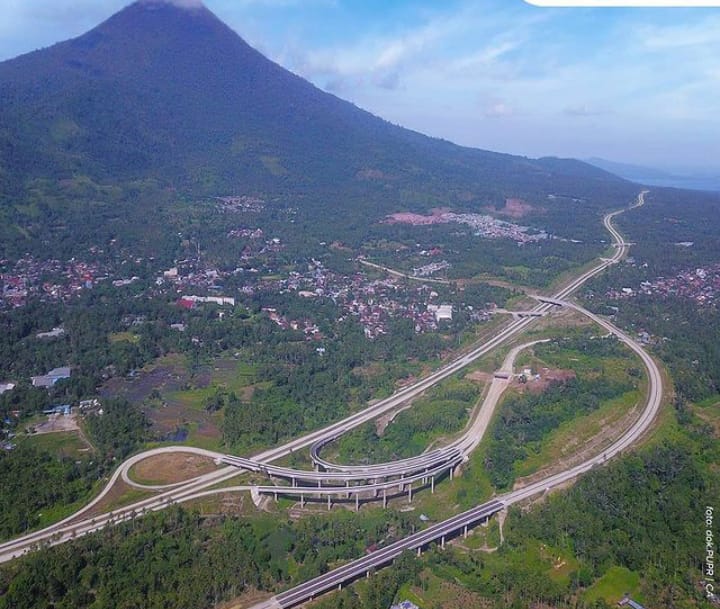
[72, 526]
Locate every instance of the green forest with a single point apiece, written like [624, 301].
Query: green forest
[37, 481]
[177, 558]
[641, 514]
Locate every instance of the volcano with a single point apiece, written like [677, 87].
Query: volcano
[165, 92]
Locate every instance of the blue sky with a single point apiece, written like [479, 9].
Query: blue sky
[633, 85]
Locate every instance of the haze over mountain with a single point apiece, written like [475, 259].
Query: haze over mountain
[693, 180]
[164, 91]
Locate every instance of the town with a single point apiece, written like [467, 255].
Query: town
[374, 298]
[701, 285]
[482, 225]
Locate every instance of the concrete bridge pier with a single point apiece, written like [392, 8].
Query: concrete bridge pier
[357, 502]
[465, 532]
[329, 502]
[384, 498]
[410, 493]
[432, 484]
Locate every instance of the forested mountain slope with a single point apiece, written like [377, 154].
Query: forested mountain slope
[162, 99]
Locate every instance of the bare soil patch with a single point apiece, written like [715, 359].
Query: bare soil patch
[547, 376]
[516, 208]
[383, 421]
[479, 376]
[170, 417]
[171, 468]
[57, 423]
[247, 599]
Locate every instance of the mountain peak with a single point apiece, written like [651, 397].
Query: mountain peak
[164, 90]
[187, 4]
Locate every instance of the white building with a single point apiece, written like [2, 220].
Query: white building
[442, 312]
[218, 300]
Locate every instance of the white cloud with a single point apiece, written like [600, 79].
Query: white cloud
[442, 49]
[701, 33]
[499, 110]
[482, 58]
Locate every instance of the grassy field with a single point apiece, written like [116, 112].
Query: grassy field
[591, 431]
[128, 337]
[228, 374]
[613, 585]
[708, 411]
[69, 444]
[712, 401]
[572, 436]
[170, 468]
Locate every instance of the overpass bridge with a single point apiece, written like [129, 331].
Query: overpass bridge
[363, 567]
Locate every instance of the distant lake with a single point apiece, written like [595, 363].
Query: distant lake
[691, 183]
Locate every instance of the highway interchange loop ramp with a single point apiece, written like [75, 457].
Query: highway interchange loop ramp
[371, 479]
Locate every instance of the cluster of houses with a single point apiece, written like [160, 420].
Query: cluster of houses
[190, 302]
[702, 285]
[482, 225]
[44, 380]
[307, 327]
[185, 275]
[429, 269]
[48, 280]
[373, 301]
[244, 203]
